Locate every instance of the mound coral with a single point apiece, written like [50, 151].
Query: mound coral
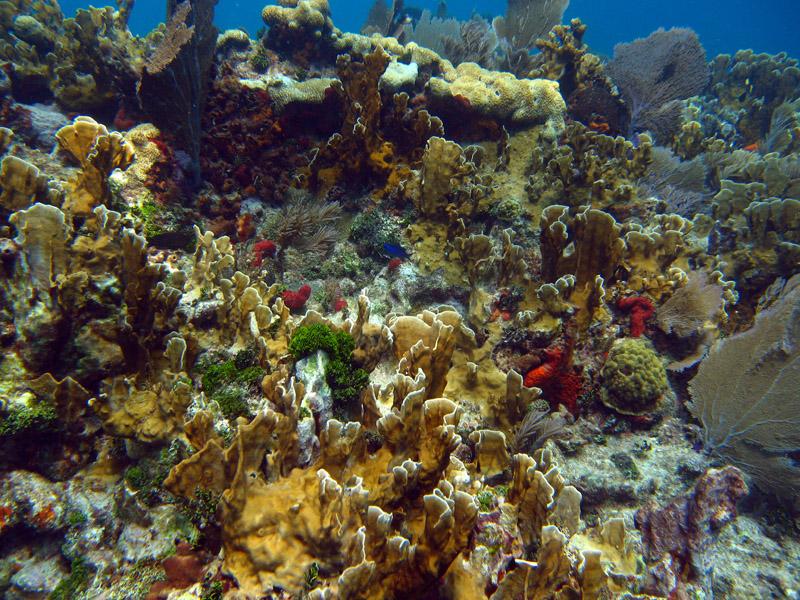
[500, 97]
[634, 379]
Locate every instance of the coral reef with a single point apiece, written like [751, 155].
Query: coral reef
[416, 312]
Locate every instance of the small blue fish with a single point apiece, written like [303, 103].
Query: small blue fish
[395, 251]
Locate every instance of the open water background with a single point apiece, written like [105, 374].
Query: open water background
[723, 25]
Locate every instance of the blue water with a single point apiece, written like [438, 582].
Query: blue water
[723, 25]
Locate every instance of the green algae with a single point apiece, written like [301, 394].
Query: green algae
[73, 585]
[230, 382]
[147, 476]
[148, 211]
[21, 419]
[345, 379]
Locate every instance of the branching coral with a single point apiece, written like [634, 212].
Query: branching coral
[756, 234]
[447, 186]
[589, 167]
[22, 184]
[87, 63]
[750, 86]
[377, 138]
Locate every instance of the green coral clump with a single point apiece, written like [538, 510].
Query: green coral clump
[486, 500]
[260, 59]
[634, 378]
[136, 582]
[311, 576]
[148, 475]
[508, 209]
[21, 419]
[345, 262]
[345, 379]
[232, 402]
[346, 382]
[216, 376]
[201, 511]
[215, 591]
[228, 383]
[308, 339]
[76, 517]
[71, 586]
[148, 212]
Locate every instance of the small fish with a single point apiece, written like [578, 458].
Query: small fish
[395, 250]
[751, 147]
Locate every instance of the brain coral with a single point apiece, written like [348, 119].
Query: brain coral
[634, 379]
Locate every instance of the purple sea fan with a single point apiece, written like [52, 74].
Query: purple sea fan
[654, 74]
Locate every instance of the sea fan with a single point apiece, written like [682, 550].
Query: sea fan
[691, 306]
[746, 395]
[654, 74]
[679, 184]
